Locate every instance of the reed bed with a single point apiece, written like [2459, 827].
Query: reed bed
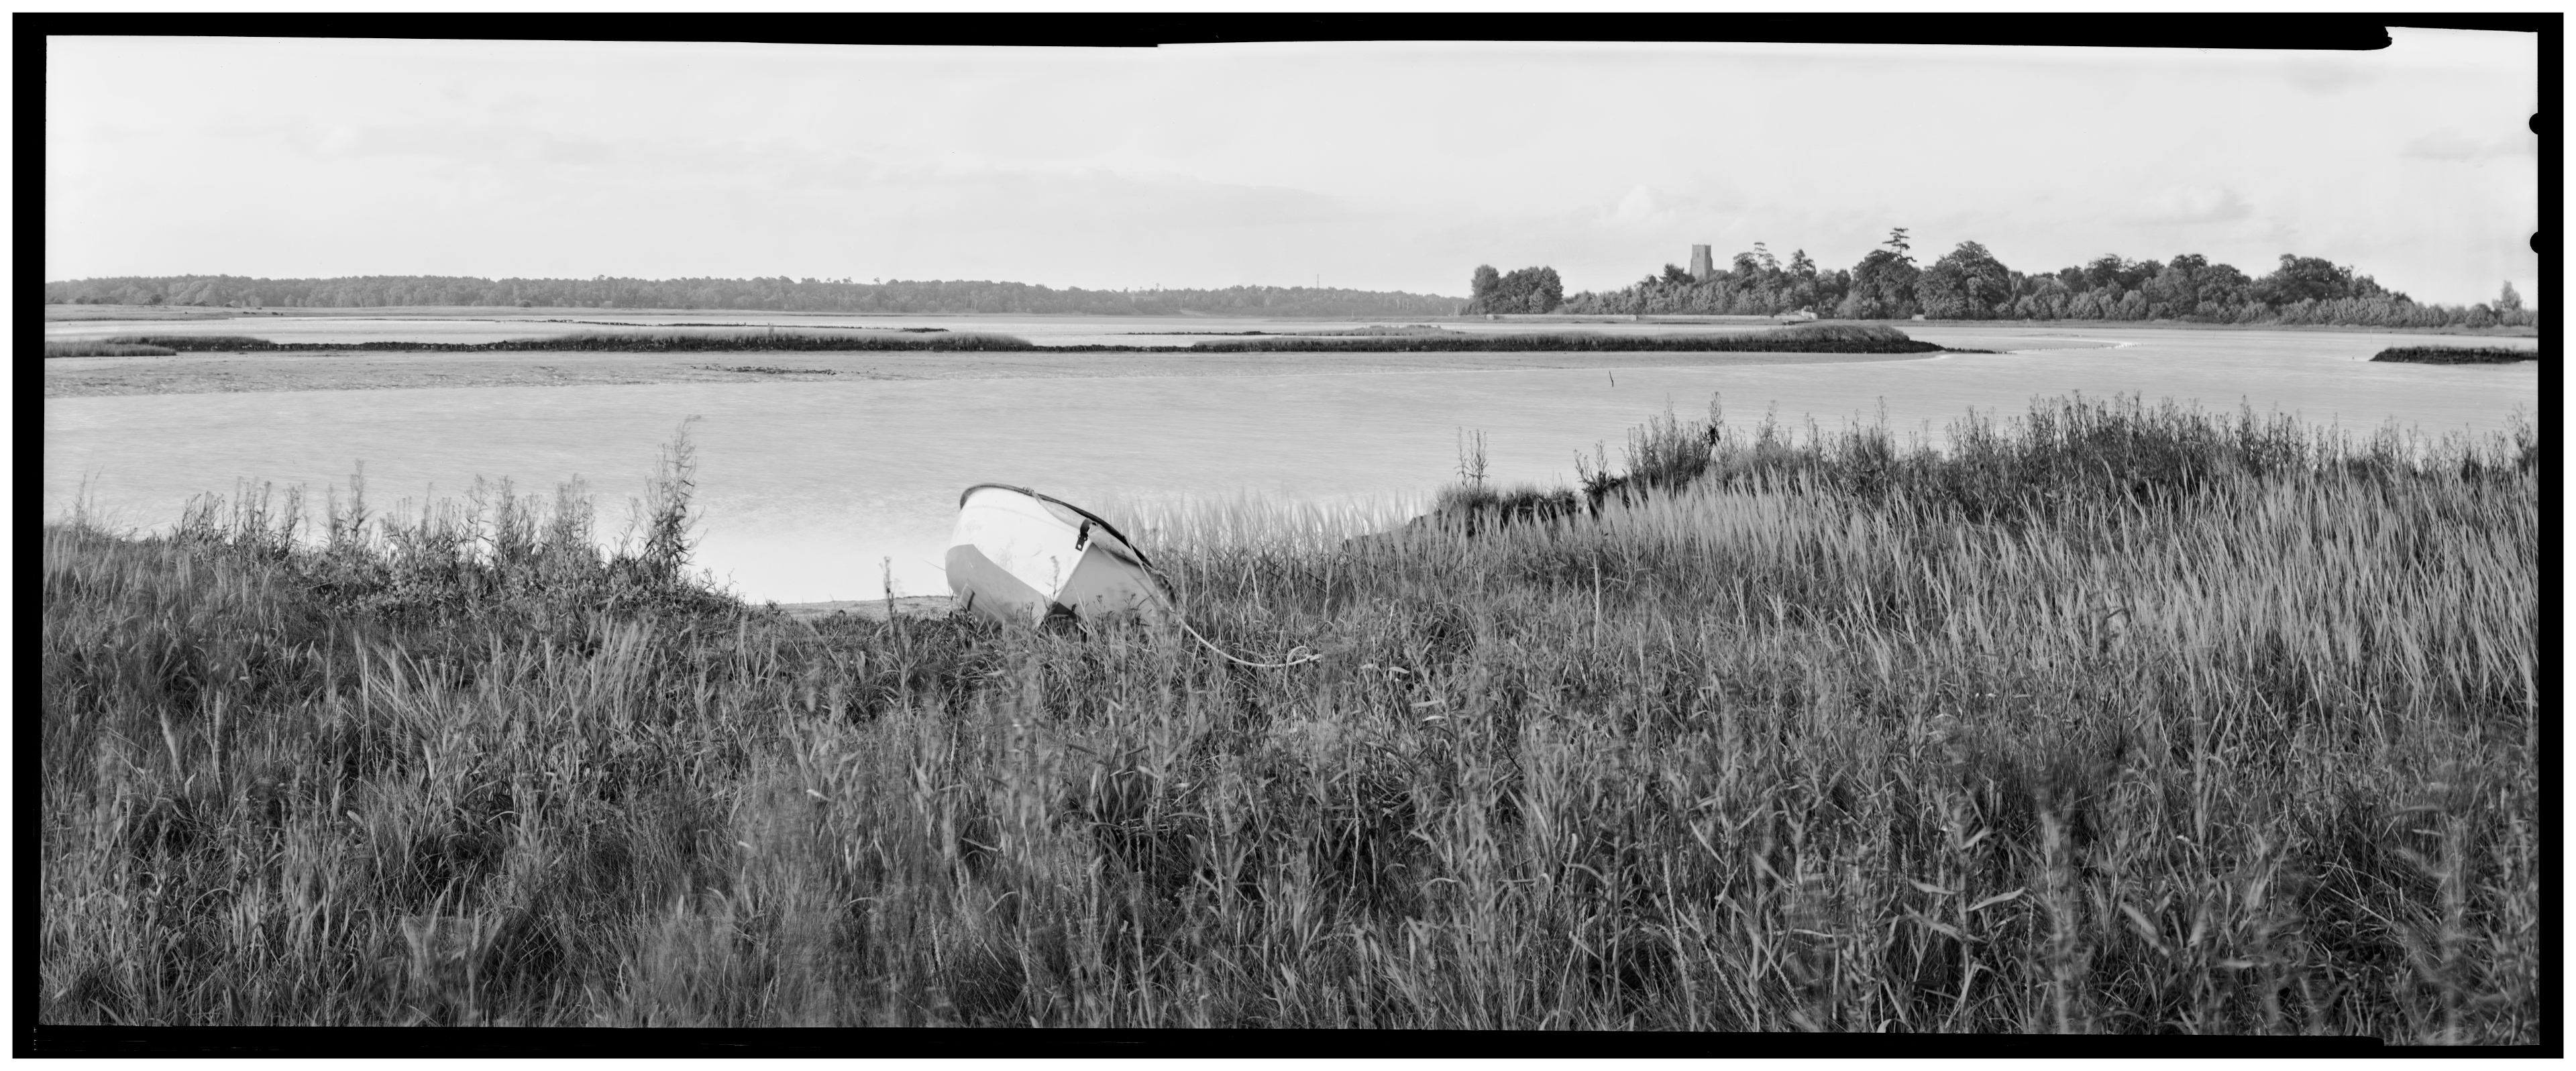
[2110, 719]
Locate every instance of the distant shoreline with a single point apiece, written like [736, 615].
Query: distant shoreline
[169, 314]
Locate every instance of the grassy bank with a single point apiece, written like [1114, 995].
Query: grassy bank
[1823, 339]
[2114, 719]
[2456, 354]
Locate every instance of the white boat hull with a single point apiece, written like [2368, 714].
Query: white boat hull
[1021, 557]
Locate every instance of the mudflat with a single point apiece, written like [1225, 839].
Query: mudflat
[208, 373]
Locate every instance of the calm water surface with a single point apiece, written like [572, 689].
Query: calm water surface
[808, 489]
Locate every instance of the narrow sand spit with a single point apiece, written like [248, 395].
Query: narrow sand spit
[206, 373]
[870, 609]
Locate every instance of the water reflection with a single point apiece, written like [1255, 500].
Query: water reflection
[814, 491]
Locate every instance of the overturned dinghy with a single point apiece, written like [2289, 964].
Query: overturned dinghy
[1022, 557]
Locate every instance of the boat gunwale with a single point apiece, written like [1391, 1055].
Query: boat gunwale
[1094, 518]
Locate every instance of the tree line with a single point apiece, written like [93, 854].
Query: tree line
[1969, 283]
[780, 294]
[1526, 290]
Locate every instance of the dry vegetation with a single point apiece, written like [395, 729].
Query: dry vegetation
[2114, 719]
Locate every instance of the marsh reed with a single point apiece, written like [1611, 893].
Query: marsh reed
[2109, 718]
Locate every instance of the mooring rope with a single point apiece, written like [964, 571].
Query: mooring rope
[1174, 605]
[1221, 652]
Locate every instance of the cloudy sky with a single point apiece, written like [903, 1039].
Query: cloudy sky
[1384, 166]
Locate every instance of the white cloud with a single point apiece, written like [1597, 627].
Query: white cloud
[2458, 146]
[2190, 205]
[2327, 75]
[1638, 207]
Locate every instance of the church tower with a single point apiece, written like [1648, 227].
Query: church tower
[1701, 267]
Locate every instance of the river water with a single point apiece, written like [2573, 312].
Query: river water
[815, 491]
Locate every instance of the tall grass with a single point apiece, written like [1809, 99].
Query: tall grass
[2111, 719]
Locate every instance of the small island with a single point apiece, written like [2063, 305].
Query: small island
[2457, 354]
